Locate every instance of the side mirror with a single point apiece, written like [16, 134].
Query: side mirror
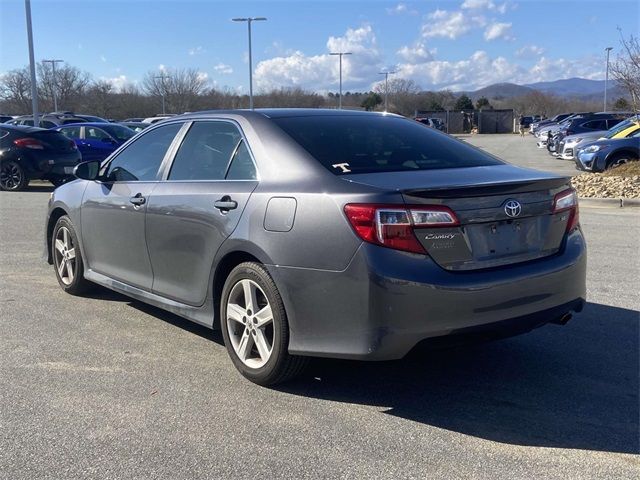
[87, 170]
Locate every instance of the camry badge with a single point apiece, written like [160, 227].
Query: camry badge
[512, 208]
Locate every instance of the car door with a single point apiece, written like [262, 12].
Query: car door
[113, 209]
[73, 132]
[196, 207]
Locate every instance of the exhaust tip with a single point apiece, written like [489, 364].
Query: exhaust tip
[563, 320]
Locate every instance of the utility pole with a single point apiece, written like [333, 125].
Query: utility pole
[249, 20]
[32, 65]
[386, 88]
[606, 77]
[340, 54]
[161, 77]
[55, 81]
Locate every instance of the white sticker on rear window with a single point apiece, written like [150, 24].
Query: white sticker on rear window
[343, 166]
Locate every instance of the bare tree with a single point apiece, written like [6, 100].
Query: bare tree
[626, 68]
[180, 87]
[70, 84]
[15, 91]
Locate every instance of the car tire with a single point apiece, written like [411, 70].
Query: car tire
[255, 328]
[618, 159]
[67, 258]
[13, 178]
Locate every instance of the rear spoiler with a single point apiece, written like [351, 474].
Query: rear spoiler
[462, 191]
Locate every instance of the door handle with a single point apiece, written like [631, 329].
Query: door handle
[137, 199]
[225, 204]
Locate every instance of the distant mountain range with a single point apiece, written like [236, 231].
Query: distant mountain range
[581, 88]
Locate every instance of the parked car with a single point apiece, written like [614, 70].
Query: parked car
[135, 126]
[570, 145]
[436, 123]
[28, 153]
[47, 120]
[604, 154]
[134, 119]
[5, 118]
[320, 232]
[557, 119]
[96, 141]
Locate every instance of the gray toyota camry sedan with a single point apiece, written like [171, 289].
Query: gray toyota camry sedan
[324, 233]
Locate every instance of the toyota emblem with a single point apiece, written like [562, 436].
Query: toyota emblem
[512, 208]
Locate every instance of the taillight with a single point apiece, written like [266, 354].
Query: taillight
[29, 143]
[392, 225]
[567, 200]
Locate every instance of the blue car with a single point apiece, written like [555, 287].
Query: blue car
[96, 140]
[604, 154]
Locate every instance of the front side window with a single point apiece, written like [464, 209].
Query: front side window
[346, 144]
[205, 152]
[141, 160]
[93, 133]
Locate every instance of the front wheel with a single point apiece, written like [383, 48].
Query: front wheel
[255, 328]
[67, 258]
[619, 159]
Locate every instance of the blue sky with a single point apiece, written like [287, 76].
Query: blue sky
[462, 44]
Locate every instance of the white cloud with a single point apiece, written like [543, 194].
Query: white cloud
[401, 9]
[203, 76]
[417, 53]
[450, 24]
[162, 67]
[529, 51]
[196, 51]
[498, 30]
[320, 72]
[223, 69]
[103, 59]
[485, 5]
[480, 70]
[118, 82]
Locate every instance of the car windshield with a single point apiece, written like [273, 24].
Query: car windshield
[118, 132]
[619, 127]
[375, 143]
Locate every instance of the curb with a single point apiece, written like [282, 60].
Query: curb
[609, 202]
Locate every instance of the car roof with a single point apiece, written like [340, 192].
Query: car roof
[86, 124]
[21, 128]
[283, 112]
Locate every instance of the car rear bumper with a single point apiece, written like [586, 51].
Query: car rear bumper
[387, 301]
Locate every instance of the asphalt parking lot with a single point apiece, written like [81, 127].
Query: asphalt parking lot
[106, 387]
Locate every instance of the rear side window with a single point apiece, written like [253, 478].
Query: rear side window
[368, 144]
[205, 152]
[141, 160]
[242, 167]
[93, 133]
[596, 125]
[71, 132]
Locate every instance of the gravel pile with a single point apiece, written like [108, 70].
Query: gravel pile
[598, 185]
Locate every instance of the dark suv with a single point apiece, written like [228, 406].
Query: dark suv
[48, 120]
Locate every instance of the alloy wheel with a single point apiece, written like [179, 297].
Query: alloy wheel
[250, 323]
[65, 256]
[10, 176]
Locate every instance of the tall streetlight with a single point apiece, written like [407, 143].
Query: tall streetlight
[606, 77]
[32, 65]
[386, 88]
[340, 54]
[161, 77]
[249, 20]
[55, 81]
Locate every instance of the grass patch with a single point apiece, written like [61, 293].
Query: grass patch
[630, 169]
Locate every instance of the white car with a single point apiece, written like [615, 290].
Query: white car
[157, 118]
[570, 144]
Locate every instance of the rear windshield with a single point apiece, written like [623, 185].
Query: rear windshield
[119, 132]
[52, 138]
[376, 143]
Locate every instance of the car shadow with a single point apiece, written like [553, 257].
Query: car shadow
[574, 386]
[39, 187]
[565, 387]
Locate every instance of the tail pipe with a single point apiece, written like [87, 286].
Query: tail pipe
[563, 319]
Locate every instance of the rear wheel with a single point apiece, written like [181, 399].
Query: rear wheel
[12, 176]
[67, 258]
[255, 328]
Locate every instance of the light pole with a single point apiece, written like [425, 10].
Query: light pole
[340, 54]
[32, 65]
[249, 20]
[55, 81]
[606, 77]
[386, 88]
[162, 76]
